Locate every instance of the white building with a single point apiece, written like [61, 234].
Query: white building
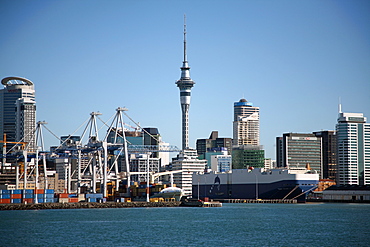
[246, 124]
[187, 161]
[221, 163]
[353, 155]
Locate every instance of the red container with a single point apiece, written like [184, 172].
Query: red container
[16, 196]
[39, 191]
[28, 200]
[63, 195]
[2, 201]
[72, 199]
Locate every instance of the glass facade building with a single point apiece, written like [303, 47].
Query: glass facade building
[353, 149]
[300, 150]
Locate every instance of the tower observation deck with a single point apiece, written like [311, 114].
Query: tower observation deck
[185, 83]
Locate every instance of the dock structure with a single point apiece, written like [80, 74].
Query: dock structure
[212, 204]
[286, 201]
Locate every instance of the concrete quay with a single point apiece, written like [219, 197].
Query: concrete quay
[79, 205]
[258, 200]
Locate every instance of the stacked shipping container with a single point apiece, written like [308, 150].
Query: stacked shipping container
[27, 196]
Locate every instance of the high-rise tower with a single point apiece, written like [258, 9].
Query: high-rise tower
[185, 84]
[353, 144]
[246, 125]
[18, 111]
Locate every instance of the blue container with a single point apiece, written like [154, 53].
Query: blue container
[41, 196]
[49, 196]
[49, 200]
[40, 200]
[28, 196]
[6, 191]
[72, 196]
[91, 199]
[28, 191]
[16, 200]
[49, 191]
[16, 192]
[5, 196]
[94, 196]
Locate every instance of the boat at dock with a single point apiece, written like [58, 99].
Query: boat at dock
[257, 183]
[170, 192]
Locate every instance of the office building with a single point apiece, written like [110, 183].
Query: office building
[18, 112]
[245, 156]
[187, 160]
[203, 145]
[246, 124]
[329, 153]
[353, 144]
[218, 159]
[300, 150]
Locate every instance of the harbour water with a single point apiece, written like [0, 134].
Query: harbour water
[310, 224]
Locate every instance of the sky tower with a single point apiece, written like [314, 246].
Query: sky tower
[185, 84]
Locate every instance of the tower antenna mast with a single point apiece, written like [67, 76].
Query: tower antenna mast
[185, 83]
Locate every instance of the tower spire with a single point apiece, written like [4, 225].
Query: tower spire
[185, 58]
[185, 83]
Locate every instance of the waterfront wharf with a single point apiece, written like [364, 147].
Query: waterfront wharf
[258, 200]
[80, 205]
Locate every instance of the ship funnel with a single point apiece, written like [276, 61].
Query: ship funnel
[308, 167]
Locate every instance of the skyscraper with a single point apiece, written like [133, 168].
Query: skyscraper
[353, 155]
[300, 150]
[246, 124]
[185, 83]
[18, 111]
[329, 153]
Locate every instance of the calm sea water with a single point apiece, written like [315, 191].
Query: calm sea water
[232, 225]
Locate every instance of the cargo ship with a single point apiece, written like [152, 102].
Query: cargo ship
[257, 183]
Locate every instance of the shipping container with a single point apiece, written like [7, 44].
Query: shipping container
[72, 196]
[49, 200]
[49, 196]
[5, 196]
[16, 191]
[96, 195]
[75, 199]
[48, 191]
[16, 200]
[40, 200]
[5, 191]
[29, 196]
[40, 196]
[39, 191]
[91, 199]
[63, 200]
[28, 191]
[16, 196]
[3, 201]
[63, 195]
[27, 200]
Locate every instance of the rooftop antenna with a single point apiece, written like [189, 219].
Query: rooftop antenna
[340, 106]
[185, 59]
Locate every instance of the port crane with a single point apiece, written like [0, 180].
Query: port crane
[97, 153]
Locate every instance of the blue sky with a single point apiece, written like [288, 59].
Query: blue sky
[293, 59]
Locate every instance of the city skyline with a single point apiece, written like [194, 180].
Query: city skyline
[292, 59]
